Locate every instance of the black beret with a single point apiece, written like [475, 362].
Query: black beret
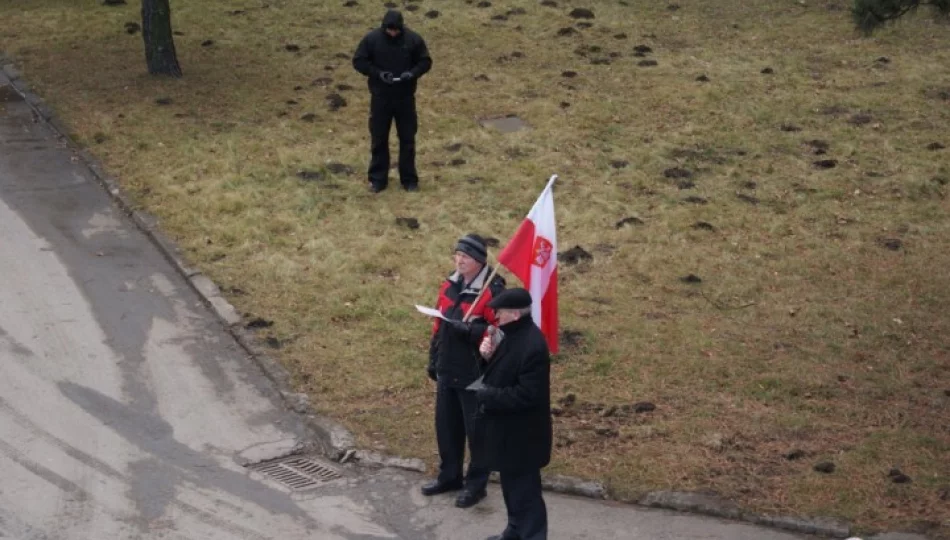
[511, 299]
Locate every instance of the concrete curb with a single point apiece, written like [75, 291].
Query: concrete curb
[897, 536]
[335, 441]
[713, 505]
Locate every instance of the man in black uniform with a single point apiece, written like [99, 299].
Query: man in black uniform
[393, 57]
[516, 402]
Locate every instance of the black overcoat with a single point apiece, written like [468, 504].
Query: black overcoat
[516, 402]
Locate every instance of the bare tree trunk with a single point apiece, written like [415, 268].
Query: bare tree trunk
[159, 40]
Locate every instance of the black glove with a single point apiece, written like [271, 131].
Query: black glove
[386, 77]
[406, 76]
[459, 327]
[432, 374]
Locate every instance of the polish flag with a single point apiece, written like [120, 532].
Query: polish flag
[531, 255]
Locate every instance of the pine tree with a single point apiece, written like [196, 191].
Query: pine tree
[872, 14]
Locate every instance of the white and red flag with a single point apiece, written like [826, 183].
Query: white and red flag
[531, 255]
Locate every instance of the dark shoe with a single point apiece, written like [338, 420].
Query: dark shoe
[411, 187]
[501, 537]
[467, 498]
[376, 188]
[435, 487]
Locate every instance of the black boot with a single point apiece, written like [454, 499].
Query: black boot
[469, 498]
[436, 487]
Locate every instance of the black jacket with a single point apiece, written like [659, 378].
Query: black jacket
[453, 356]
[517, 400]
[379, 52]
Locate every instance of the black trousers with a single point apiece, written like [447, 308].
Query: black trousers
[455, 421]
[527, 514]
[383, 110]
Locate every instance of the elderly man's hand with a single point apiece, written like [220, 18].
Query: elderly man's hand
[486, 348]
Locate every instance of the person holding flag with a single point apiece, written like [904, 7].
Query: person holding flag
[454, 363]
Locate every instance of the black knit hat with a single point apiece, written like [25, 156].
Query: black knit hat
[473, 245]
[517, 298]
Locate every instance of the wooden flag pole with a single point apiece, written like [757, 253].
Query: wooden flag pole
[468, 314]
[485, 286]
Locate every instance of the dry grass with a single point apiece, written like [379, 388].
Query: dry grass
[805, 333]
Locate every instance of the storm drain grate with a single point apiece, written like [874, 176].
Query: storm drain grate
[297, 472]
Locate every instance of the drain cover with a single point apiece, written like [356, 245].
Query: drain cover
[297, 472]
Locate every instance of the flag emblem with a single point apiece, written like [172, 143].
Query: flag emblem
[542, 251]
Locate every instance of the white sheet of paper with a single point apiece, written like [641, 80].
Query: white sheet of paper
[430, 312]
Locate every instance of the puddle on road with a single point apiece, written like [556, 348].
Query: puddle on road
[9, 95]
